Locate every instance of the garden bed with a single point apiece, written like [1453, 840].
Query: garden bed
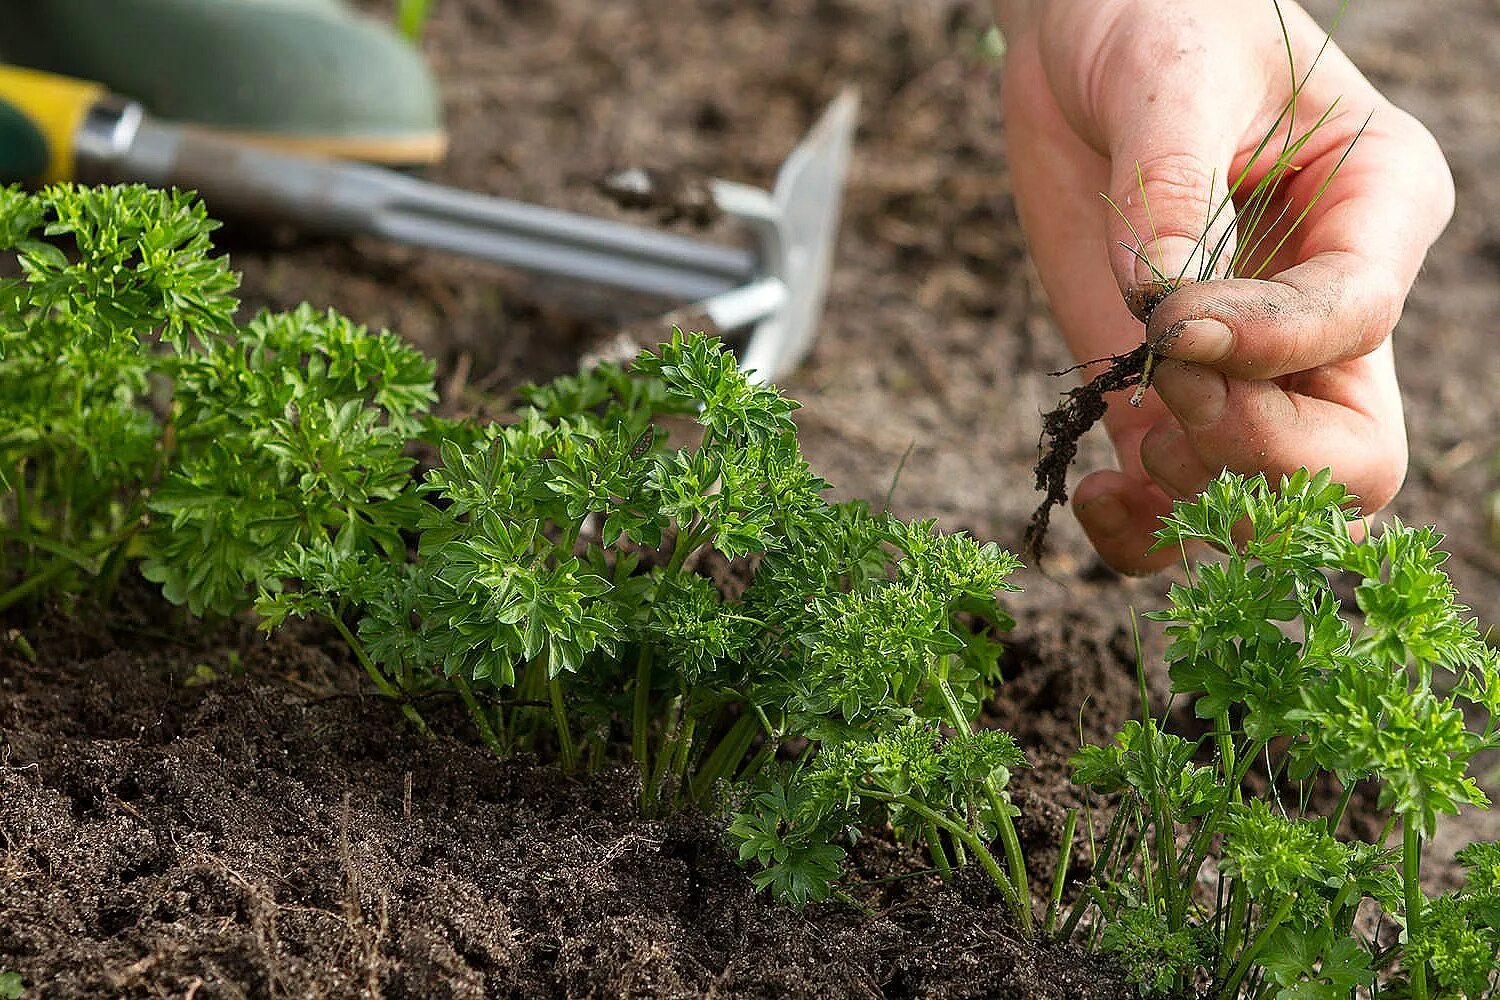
[216, 814]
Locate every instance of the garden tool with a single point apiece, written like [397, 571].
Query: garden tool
[773, 288]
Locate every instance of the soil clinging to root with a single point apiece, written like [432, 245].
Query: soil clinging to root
[1064, 426]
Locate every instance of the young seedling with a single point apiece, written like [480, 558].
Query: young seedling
[1298, 688]
[638, 561]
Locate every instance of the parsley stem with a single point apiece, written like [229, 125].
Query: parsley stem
[1101, 863]
[476, 711]
[1337, 816]
[1253, 947]
[651, 793]
[935, 848]
[1060, 876]
[683, 749]
[382, 683]
[560, 717]
[726, 756]
[1411, 884]
[958, 831]
[640, 714]
[1009, 840]
[64, 560]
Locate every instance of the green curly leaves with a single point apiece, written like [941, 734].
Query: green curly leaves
[1265, 633]
[105, 274]
[698, 373]
[269, 464]
[1155, 956]
[911, 774]
[1152, 763]
[1301, 686]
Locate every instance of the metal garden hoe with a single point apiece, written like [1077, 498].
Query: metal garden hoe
[65, 129]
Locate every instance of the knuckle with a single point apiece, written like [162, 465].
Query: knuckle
[1430, 169]
[1182, 180]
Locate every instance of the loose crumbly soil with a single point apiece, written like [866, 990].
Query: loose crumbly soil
[275, 833]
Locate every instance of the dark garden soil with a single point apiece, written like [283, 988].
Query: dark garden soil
[192, 812]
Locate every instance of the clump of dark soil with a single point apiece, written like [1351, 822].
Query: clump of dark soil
[211, 813]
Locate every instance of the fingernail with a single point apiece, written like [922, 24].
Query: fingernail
[1206, 341]
[1104, 515]
[1175, 257]
[1196, 395]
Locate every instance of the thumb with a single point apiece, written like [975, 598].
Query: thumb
[1169, 220]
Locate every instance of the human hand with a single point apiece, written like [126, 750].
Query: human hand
[1290, 369]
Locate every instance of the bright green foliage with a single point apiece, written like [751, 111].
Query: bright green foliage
[290, 434]
[138, 421]
[105, 277]
[1400, 691]
[636, 554]
[1460, 933]
[1155, 957]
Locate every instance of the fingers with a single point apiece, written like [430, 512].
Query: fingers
[1170, 153]
[1333, 308]
[1120, 514]
[1347, 418]
[1349, 421]
[1357, 253]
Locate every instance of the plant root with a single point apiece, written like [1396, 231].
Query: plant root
[1064, 426]
[1082, 408]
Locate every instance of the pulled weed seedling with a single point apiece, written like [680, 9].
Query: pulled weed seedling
[1255, 206]
[1212, 874]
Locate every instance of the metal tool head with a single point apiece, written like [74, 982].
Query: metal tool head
[795, 225]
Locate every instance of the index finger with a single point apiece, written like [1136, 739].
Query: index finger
[1359, 253]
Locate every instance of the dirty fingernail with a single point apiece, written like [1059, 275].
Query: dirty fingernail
[1104, 515]
[1205, 341]
[1196, 395]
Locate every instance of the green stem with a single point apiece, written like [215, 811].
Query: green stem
[1411, 884]
[560, 718]
[1227, 763]
[1198, 844]
[764, 756]
[382, 683]
[1239, 909]
[726, 756]
[680, 759]
[411, 18]
[1060, 877]
[640, 715]
[958, 832]
[1337, 816]
[1101, 865]
[76, 558]
[1231, 988]
[935, 848]
[688, 541]
[1009, 839]
[651, 792]
[477, 713]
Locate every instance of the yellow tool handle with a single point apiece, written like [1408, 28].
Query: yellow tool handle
[55, 105]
